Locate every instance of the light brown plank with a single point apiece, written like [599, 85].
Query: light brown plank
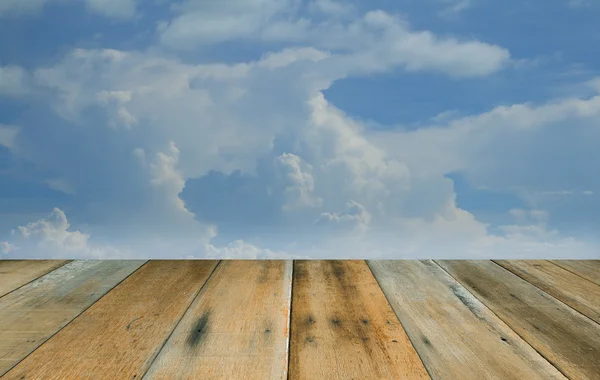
[588, 269]
[33, 313]
[577, 292]
[456, 336]
[344, 328]
[567, 339]
[120, 335]
[237, 328]
[16, 273]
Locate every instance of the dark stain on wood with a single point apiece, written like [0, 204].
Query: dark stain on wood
[309, 320]
[263, 276]
[131, 323]
[198, 334]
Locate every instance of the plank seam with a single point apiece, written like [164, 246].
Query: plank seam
[545, 292]
[289, 343]
[569, 270]
[35, 279]
[506, 323]
[180, 319]
[398, 317]
[74, 318]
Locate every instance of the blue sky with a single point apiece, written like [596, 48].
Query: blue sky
[289, 128]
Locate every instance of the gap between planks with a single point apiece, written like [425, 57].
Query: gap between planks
[55, 300]
[133, 320]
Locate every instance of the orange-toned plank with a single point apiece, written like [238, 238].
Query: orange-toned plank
[33, 313]
[16, 273]
[119, 336]
[344, 328]
[456, 336]
[588, 269]
[566, 338]
[577, 292]
[237, 328]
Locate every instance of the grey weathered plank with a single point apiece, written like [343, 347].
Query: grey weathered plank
[577, 292]
[588, 269]
[33, 313]
[566, 338]
[16, 273]
[456, 336]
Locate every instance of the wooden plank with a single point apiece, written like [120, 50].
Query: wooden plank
[588, 269]
[33, 313]
[577, 292]
[119, 336]
[16, 273]
[456, 336]
[566, 338]
[237, 328]
[344, 328]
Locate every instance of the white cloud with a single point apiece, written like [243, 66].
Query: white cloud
[119, 9]
[299, 182]
[200, 22]
[13, 81]
[132, 128]
[502, 148]
[51, 237]
[331, 7]
[241, 250]
[454, 7]
[355, 217]
[376, 41]
[8, 134]
[6, 247]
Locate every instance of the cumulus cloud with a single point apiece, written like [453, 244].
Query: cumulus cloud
[164, 156]
[51, 237]
[299, 182]
[495, 149]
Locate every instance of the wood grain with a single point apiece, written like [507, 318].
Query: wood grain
[120, 335]
[16, 273]
[456, 336]
[567, 339]
[577, 292]
[237, 328]
[344, 328]
[588, 269]
[33, 313]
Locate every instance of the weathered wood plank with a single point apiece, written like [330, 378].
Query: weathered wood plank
[567, 339]
[237, 328]
[577, 292]
[119, 336]
[588, 269]
[344, 328]
[33, 313]
[456, 336]
[16, 273]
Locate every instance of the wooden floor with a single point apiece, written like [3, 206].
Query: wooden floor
[300, 320]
